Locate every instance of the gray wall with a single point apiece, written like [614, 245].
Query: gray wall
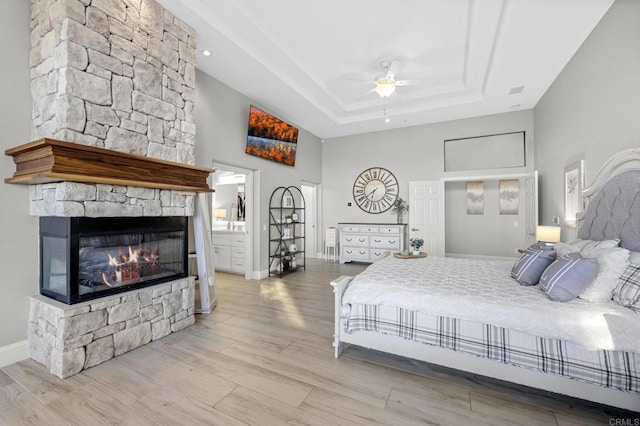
[488, 234]
[19, 231]
[413, 153]
[592, 110]
[222, 116]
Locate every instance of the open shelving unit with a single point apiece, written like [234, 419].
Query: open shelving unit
[286, 231]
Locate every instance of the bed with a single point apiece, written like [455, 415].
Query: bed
[471, 315]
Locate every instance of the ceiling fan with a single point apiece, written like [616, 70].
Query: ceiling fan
[386, 84]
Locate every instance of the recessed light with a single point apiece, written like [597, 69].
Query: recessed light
[515, 106]
[387, 120]
[516, 90]
[206, 52]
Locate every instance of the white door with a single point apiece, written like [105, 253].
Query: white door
[531, 206]
[426, 214]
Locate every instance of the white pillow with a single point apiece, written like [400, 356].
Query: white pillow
[563, 249]
[612, 263]
[583, 244]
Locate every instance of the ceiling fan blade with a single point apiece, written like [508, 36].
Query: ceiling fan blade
[364, 96]
[361, 80]
[393, 69]
[413, 82]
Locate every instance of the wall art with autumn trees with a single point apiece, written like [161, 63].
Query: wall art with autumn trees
[271, 138]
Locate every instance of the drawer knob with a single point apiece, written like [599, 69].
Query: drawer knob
[362, 240]
[377, 241]
[362, 252]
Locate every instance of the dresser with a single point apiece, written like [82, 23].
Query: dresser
[228, 251]
[366, 242]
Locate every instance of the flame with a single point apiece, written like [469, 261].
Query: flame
[112, 260]
[126, 266]
[153, 256]
[133, 255]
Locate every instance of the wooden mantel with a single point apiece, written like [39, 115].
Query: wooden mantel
[49, 160]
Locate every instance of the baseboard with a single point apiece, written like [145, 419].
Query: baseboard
[13, 353]
[260, 275]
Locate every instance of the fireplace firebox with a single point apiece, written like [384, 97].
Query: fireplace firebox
[85, 258]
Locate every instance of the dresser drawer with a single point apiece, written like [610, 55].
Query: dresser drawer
[390, 230]
[354, 240]
[237, 265]
[385, 242]
[356, 253]
[237, 240]
[222, 239]
[350, 229]
[369, 229]
[237, 251]
[376, 254]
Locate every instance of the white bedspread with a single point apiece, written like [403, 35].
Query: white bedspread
[483, 291]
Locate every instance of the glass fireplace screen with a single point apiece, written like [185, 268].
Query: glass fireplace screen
[116, 260]
[84, 258]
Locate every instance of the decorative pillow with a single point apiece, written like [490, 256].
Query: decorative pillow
[532, 263]
[627, 293]
[583, 244]
[611, 264]
[568, 276]
[634, 257]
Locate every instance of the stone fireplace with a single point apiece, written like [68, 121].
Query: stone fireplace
[110, 76]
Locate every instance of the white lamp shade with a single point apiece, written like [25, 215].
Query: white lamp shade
[385, 86]
[548, 234]
[220, 213]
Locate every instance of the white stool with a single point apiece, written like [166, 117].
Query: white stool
[330, 243]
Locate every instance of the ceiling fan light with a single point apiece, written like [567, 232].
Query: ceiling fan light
[385, 89]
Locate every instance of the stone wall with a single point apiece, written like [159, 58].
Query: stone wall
[115, 74]
[72, 199]
[70, 338]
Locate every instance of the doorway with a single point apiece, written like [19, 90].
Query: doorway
[233, 213]
[310, 194]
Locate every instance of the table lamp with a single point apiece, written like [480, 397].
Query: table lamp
[548, 234]
[220, 214]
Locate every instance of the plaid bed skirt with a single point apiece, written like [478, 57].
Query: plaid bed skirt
[614, 369]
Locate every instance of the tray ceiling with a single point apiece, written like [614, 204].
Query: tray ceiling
[314, 64]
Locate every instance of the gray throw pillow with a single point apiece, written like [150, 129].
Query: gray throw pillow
[568, 276]
[532, 263]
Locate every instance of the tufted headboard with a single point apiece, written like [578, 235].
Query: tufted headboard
[613, 202]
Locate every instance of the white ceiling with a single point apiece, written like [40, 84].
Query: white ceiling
[314, 63]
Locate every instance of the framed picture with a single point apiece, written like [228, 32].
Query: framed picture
[475, 197]
[271, 138]
[287, 201]
[573, 184]
[509, 196]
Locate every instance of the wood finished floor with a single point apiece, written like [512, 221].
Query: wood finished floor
[264, 357]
